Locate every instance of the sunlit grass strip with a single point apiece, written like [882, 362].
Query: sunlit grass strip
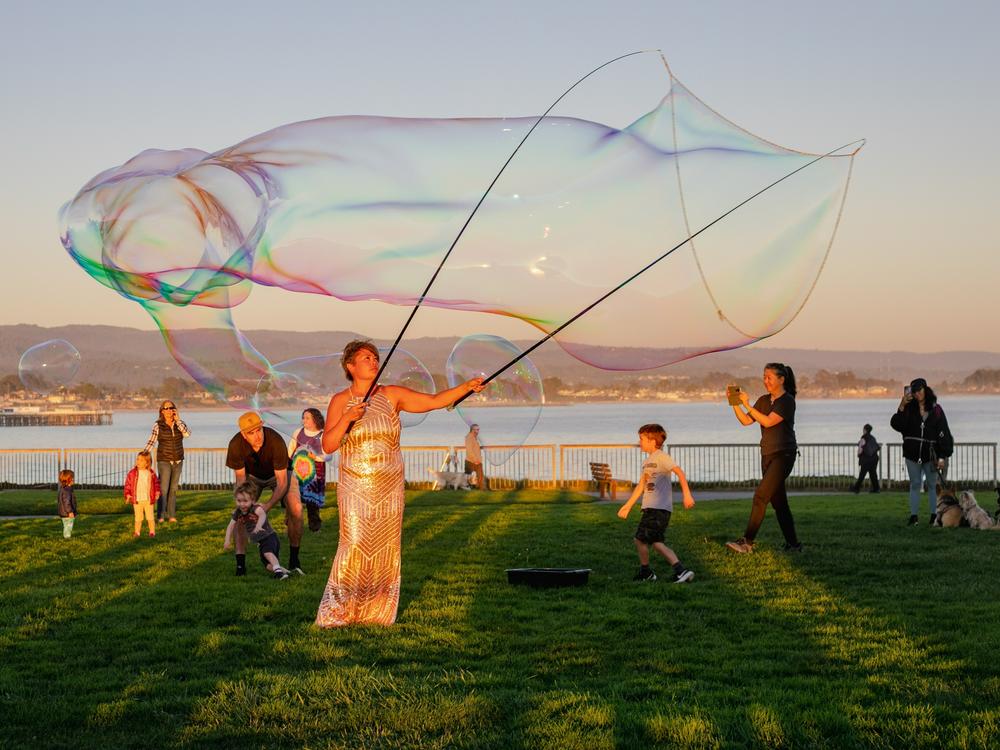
[878, 635]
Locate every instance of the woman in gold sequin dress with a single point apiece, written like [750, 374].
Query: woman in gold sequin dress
[364, 581]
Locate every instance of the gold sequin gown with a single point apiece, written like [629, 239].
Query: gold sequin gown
[364, 581]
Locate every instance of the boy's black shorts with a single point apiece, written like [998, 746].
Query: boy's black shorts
[653, 525]
[269, 544]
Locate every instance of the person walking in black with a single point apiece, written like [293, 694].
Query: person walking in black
[868, 458]
[775, 413]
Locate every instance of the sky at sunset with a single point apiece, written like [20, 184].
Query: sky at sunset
[85, 86]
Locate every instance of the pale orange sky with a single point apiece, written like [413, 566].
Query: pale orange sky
[916, 259]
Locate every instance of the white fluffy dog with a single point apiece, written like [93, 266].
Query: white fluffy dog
[973, 514]
[456, 480]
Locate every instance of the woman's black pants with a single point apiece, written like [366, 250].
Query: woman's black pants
[775, 468]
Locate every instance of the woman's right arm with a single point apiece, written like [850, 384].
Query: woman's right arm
[338, 417]
[898, 420]
[152, 437]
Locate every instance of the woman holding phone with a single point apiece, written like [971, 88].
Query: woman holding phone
[775, 413]
[924, 427]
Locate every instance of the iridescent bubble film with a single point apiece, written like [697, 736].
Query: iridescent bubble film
[364, 208]
[518, 387]
[296, 384]
[48, 366]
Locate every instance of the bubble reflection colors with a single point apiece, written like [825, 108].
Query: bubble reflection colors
[363, 208]
[48, 366]
[518, 386]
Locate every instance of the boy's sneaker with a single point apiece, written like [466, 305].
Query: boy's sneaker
[280, 574]
[741, 545]
[241, 571]
[685, 576]
[644, 575]
[913, 521]
[797, 547]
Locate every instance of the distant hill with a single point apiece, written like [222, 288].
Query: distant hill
[133, 358]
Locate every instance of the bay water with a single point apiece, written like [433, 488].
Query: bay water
[972, 419]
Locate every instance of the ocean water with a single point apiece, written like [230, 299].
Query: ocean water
[972, 419]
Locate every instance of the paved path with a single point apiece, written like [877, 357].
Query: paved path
[700, 495]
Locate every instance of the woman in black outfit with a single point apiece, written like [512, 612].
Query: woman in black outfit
[775, 413]
[924, 426]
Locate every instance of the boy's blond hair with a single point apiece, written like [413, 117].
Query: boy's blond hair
[247, 489]
[146, 459]
[656, 432]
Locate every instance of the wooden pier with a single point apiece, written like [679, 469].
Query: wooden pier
[25, 418]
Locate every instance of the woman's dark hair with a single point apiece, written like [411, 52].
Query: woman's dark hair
[930, 398]
[317, 417]
[785, 372]
[352, 349]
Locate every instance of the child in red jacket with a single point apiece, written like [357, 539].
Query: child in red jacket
[142, 490]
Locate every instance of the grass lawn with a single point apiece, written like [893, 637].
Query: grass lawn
[878, 635]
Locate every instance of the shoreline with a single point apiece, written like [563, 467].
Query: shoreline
[584, 402]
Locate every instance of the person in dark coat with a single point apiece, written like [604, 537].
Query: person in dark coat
[868, 458]
[922, 422]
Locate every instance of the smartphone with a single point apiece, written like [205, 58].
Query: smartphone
[733, 395]
[906, 390]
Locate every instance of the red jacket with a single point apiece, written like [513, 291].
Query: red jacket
[133, 478]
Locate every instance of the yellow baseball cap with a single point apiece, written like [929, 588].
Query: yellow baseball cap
[250, 421]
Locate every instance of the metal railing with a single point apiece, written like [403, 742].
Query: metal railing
[820, 466]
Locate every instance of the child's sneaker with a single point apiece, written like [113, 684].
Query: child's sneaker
[152, 533]
[740, 545]
[644, 575]
[280, 574]
[135, 535]
[241, 570]
[685, 576]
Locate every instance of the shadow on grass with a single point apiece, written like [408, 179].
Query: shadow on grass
[167, 649]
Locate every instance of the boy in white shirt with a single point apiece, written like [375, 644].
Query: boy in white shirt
[657, 504]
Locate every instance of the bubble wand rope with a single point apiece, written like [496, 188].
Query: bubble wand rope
[641, 271]
[468, 220]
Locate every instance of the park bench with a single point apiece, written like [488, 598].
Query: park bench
[605, 482]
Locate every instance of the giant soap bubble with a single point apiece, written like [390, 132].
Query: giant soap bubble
[364, 208]
[518, 387]
[295, 384]
[48, 366]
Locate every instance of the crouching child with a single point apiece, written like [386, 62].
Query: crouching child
[252, 515]
[657, 504]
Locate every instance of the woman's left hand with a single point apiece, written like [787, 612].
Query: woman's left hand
[475, 385]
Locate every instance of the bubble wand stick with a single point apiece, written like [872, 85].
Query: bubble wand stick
[468, 220]
[860, 143]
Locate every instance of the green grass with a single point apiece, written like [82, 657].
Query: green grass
[878, 635]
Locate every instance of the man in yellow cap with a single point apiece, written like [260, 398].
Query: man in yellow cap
[258, 455]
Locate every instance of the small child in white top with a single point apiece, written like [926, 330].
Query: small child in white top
[657, 504]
